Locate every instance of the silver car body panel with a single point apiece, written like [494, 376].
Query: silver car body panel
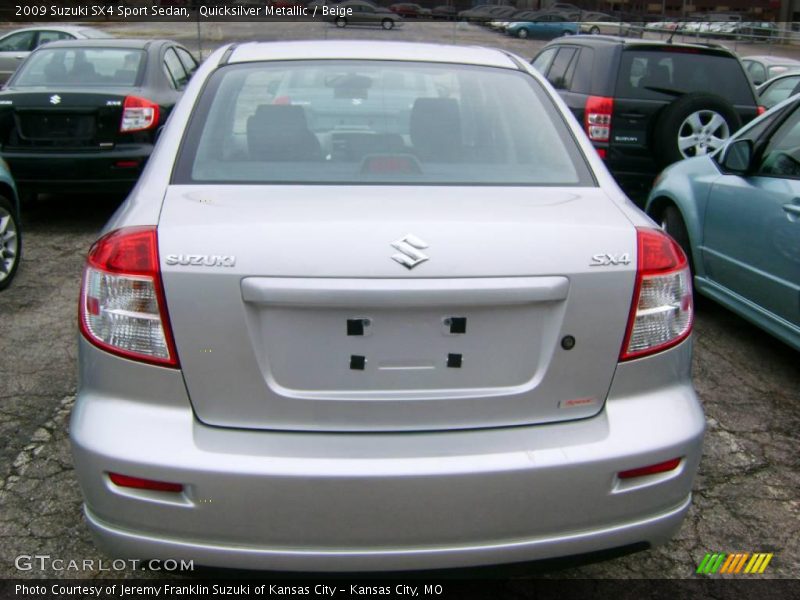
[11, 60]
[276, 353]
[320, 501]
[289, 460]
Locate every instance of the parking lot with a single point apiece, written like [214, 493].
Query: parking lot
[747, 494]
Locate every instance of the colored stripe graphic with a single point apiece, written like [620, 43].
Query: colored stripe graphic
[720, 562]
[703, 564]
[726, 567]
[711, 563]
[758, 563]
[740, 563]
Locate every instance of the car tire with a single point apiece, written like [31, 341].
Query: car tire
[387, 24]
[693, 125]
[672, 223]
[594, 30]
[341, 22]
[10, 242]
[522, 34]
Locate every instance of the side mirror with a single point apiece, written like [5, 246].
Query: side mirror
[737, 157]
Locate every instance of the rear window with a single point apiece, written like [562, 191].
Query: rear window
[75, 67]
[373, 122]
[659, 74]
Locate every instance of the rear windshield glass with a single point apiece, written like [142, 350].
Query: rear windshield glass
[76, 67]
[377, 122]
[661, 75]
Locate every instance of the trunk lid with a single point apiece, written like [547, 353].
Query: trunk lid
[290, 312]
[55, 120]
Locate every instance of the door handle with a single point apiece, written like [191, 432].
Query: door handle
[793, 211]
[19, 56]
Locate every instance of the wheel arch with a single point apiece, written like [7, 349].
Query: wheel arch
[660, 201]
[7, 190]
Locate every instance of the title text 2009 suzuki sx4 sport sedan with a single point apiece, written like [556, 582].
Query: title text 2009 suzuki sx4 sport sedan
[380, 306]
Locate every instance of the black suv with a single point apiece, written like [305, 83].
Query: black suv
[646, 103]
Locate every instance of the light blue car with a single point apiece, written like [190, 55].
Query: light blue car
[10, 234]
[543, 27]
[736, 213]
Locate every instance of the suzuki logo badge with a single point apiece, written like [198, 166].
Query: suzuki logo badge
[55, 99]
[409, 254]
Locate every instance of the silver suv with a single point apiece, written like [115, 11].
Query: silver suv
[381, 306]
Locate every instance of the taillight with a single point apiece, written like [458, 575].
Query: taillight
[597, 118]
[138, 114]
[662, 310]
[122, 306]
[662, 467]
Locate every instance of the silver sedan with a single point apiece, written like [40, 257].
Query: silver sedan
[18, 44]
[381, 306]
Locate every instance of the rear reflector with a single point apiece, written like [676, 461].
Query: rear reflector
[122, 307]
[601, 152]
[138, 114]
[662, 311]
[761, 110]
[597, 118]
[663, 467]
[144, 484]
[127, 164]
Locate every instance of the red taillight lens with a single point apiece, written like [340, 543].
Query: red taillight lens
[144, 484]
[761, 110]
[597, 118]
[663, 467]
[127, 164]
[662, 311]
[138, 114]
[122, 306]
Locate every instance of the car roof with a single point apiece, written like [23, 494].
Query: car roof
[609, 40]
[107, 43]
[52, 27]
[371, 50]
[773, 60]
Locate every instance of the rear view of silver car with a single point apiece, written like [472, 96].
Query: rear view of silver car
[380, 306]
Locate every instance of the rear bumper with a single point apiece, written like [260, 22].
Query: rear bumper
[656, 528]
[79, 171]
[322, 502]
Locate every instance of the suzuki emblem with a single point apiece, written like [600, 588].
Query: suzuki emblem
[409, 254]
[55, 99]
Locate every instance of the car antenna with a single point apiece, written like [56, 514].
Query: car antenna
[674, 31]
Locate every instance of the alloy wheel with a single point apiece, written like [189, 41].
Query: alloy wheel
[702, 132]
[9, 243]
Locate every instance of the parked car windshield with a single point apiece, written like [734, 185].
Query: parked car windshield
[378, 122]
[75, 67]
[656, 74]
